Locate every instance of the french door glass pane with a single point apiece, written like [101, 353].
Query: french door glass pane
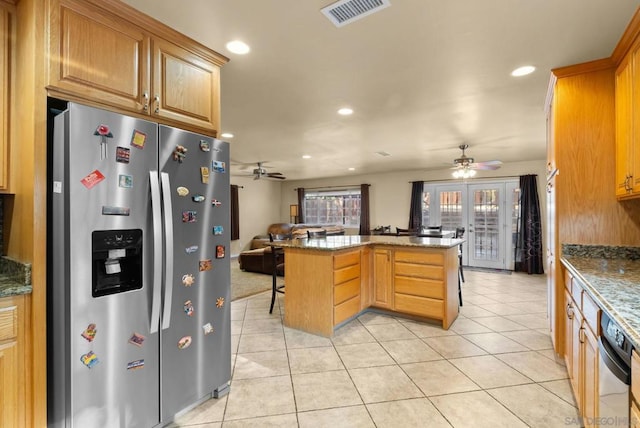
[450, 210]
[486, 218]
[426, 208]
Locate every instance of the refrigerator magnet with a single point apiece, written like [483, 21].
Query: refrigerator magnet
[218, 230]
[104, 132]
[204, 146]
[215, 202]
[125, 181]
[219, 251]
[188, 280]
[89, 333]
[92, 179]
[204, 174]
[137, 339]
[89, 359]
[188, 308]
[184, 342]
[192, 249]
[182, 191]
[197, 198]
[218, 166]
[138, 139]
[189, 216]
[204, 265]
[134, 365]
[180, 153]
[207, 328]
[219, 302]
[123, 154]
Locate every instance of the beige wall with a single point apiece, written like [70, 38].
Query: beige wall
[390, 193]
[259, 202]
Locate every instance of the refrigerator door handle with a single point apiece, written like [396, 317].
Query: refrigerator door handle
[156, 285]
[168, 266]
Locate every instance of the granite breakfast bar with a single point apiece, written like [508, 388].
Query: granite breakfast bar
[330, 280]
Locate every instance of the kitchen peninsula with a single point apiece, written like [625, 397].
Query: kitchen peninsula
[333, 279]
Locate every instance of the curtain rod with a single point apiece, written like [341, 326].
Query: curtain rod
[471, 179]
[333, 187]
[240, 187]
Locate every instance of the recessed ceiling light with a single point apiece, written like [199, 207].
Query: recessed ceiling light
[238, 47]
[226, 135]
[306, 156]
[523, 71]
[352, 169]
[345, 111]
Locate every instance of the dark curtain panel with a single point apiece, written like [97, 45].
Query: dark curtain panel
[529, 242]
[235, 213]
[415, 211]
[300, 205]
[365, 223]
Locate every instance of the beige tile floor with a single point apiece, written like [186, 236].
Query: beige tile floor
[494, 367]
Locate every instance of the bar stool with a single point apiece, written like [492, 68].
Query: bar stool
[277, 257]
[459, 234]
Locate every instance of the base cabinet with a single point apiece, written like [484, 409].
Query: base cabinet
[635, 390]
[382, 277]
[12, 378]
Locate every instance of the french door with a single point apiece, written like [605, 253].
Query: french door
[487, 210]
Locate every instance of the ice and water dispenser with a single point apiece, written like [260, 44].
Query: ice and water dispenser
[117, 261]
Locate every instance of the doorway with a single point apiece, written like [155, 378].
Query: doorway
[489, 212]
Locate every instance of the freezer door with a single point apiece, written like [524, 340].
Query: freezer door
[196, 332]
[102, 271]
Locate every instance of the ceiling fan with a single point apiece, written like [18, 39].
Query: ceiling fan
[260, 172]
[465, 167]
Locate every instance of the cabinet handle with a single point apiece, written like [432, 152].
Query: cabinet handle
[569, 311]
[581, 335]
[157, 101]
[629, 183]
[549, 187]
[146, 101]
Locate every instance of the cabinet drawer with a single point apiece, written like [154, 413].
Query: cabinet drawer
[591, 313]
[419, 287]
[419, 271]
[635, 376]
[347, 259]
[346, 291]
[346, 310]
[346, 274]
[8, 322]
[424, 306]
[419, 257]
[568, 280]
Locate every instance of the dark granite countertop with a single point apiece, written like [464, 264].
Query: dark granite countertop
[611, 276]
[15, 277]
[335, 243]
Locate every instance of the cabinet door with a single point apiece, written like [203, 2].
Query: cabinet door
[98, 56]
[568, 315]
[624, 126]
[590, 385]
[6, 53]
[9, 403]
[186, 86]
[576, 374]
[382, 280]
[634, 141]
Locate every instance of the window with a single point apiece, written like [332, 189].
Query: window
[333, 207]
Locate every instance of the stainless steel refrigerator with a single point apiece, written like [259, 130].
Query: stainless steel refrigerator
[139, 285]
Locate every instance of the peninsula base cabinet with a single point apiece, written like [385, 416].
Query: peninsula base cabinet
[634, 413]
[325, 288]
[582, 321]
[12, 357]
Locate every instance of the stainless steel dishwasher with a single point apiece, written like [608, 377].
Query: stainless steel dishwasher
[614, 374]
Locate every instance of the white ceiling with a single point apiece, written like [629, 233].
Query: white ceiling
[422, 77]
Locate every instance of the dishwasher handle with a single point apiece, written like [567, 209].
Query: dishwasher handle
[616, 365]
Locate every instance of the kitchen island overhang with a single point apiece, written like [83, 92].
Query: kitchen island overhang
[332, 280]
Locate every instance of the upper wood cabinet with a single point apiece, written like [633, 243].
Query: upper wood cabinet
[628, 125]
[122, 58]
[6, 54]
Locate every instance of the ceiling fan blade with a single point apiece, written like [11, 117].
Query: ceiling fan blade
[276, 175]
[485, 167]
[491, 162]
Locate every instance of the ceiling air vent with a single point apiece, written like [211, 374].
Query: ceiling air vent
[344, 12]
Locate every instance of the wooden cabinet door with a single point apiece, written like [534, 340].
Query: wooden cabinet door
[382, 278]
[568, 315]
[98, 56]
[624, 126]
[186, 86]
[590, 391]
[9, 403]
[576, 374]
[6, 53]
